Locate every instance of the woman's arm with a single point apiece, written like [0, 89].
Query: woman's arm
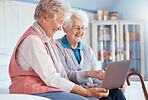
[92, 92]
[93, 73]
[74, 76]
[99, 74]
[37, 58]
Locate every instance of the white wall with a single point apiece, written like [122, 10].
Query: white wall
[135, 10]
[93, 4]
[15, 18]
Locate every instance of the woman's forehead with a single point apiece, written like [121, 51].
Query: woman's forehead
[77, 21]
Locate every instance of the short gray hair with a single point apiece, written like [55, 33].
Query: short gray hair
[52, 8]
[75, 13]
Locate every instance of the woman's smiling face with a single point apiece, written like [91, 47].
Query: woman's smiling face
[50, 26]
[76, 33]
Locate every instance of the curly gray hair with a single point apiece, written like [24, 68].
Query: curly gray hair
[75, 13]
[52, 8]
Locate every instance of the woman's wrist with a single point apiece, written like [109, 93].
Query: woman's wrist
[89, 74]
[80, 91]
[95, 74]
[88, 94]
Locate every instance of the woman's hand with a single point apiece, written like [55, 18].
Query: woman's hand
[95, 74]
[122, 88]
[90, 86]
[100, 74]
[97, 92]
[91, 92]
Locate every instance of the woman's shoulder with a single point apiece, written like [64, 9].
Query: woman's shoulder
[59, 44]
[86, 46]
[87, 49]
[32, 38]
[58, 41]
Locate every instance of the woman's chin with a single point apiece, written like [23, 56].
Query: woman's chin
[51, 35]
[78, 39]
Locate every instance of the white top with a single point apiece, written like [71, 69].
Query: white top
[32, 55]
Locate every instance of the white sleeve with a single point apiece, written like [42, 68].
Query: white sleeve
[37, 57]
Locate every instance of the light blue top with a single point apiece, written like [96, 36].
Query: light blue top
[75, 51]
[74, 70]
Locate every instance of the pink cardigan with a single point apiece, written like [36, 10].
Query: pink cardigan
[26, 82]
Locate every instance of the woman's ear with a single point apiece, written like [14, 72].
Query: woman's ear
[44, 17]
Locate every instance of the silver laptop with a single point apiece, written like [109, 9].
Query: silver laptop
[116, 74]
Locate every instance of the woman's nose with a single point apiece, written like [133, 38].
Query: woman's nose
[60, 27]
[80, 31]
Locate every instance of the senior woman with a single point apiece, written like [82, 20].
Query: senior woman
[35, 67]
[78, 58]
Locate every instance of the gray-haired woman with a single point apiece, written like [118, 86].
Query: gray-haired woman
[35, 67]
[78, 58]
